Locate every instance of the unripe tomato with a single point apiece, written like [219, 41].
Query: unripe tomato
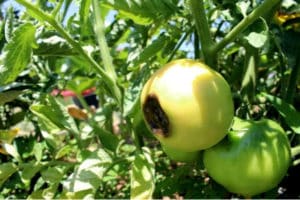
[252, 159]
[187, 105]
[180, 156]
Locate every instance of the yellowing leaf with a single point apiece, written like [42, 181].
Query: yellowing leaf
[7, 136]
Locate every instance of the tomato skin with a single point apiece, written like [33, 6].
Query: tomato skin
[180, 156]
[189, 105]
[252, 159]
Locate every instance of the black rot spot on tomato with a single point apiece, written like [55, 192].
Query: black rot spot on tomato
[155, 116]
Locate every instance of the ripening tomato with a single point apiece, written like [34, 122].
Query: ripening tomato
[187, 105]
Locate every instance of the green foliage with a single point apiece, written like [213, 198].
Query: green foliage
[49, 148]
[18, 55]
[144, 11]
[142, 176]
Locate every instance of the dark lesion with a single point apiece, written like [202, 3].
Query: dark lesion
[155, 116]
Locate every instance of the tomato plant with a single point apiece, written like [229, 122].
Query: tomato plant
[59, 141]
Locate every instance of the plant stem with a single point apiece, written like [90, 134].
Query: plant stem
[110, 82]
[290, 92]
[202, 26]
[178, 45]
[99, 30]
[196, 46]
[253, 16]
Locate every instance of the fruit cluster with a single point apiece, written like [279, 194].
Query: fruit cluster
[189, 108]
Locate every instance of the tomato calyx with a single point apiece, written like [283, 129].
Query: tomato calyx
[155, 116]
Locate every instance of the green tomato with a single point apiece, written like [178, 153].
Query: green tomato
[252, 159]
[180, 156]
[187, 105]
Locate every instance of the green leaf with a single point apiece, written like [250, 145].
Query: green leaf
[18, 53]
[80, 83]
[257, 34]
[143, 11]
[53, 46]
[9, 96]
[54, 114]
[8, 136]
[243, 7]
[84, 11]
[53, 175]
[37, 194]
[29, 171]
[257, 40]
[151, 50]
[142, 176]
[6, 170]
[38, 151]
[296, 151]
[9, 23]
[287, 111]
[288, 3]
[11, 150]
[64, 151]
[87, 177]
[50, 192]
[108, 140]
[47, 114]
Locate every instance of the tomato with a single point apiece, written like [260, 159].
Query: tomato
[252, 159]
[180, 156]
[187, 105]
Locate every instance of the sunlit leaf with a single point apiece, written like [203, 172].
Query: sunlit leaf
[38, 151]
[143, 11]
[257, 34]
[65, 150]
[54, 114]
[151, 50]
[18, 53]
[29, 171]
[6, 170]
[296, 151]
[80, 83]
[84, 10]
[53, 46]
[11, 150]
[87, 177]
[243, 7]
[257, 40]
[9, 24]
[142, 176]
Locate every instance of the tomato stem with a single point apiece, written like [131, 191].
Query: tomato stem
[100, 35]
[202, 26]
[253, 16]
